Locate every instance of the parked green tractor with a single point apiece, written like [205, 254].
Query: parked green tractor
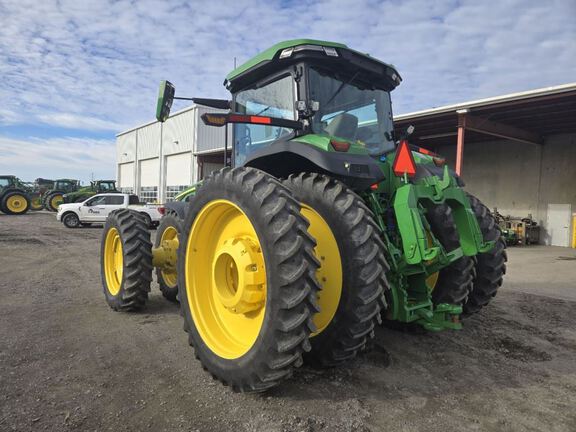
[325, 224]
[95, 187]
[14, 195]
[55, 196]
[38, 189]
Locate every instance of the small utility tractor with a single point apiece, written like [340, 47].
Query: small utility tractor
[15, 196]
[325, 224]
[55, 196]
[96, 187]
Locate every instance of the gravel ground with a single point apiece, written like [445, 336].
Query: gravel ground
[68, 362]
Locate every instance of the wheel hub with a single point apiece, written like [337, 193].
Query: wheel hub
[238, 277]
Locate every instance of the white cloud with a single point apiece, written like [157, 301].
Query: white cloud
[58, 158]
[96, 65]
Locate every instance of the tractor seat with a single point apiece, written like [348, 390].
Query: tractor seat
[343, 126]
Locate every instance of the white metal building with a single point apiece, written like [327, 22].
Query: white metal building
[158, 160]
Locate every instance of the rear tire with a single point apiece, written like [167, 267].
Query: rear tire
[490, 267]
[168, 280]
[236, 213]
[15, 203]
[53, 200]
[362, 267]
[126, 260]
[455, 281]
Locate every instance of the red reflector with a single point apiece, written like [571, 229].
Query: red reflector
[262, 120]
[161, 210]
[340, 146]
[439, 161]
[404, 161]
[424, 151]
[238, 118]
[374, 186]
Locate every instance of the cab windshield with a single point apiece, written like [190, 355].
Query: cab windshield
[352, 111]
[274, 99]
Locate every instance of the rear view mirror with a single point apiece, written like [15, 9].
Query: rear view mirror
[165, 99]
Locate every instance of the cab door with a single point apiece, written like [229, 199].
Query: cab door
[93, 209]
[111, 203]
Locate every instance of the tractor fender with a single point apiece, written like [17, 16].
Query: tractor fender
[429, 170]
[291, 157]
[178, 207]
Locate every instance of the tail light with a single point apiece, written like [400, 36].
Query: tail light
[162, 210]
[340, 146]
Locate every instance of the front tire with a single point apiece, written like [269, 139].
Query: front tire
[353, 267]
[53, 201]
[71, 220]
[246, 273]
[126, 260]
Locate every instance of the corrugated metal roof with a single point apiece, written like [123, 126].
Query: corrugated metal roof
[545, 91]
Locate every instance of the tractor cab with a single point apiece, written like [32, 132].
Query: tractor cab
[104, 186]
[341, 96]
[66, 185]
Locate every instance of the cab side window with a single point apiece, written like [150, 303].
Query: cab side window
[114, 200]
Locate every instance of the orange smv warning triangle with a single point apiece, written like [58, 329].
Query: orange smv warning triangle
[404, 161]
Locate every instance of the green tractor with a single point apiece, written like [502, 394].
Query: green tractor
[326, 224]
[15, 198]
[52, 198]
[96, 187]
[38, 189]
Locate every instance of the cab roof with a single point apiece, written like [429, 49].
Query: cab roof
[332, 54]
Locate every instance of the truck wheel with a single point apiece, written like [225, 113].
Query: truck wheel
[15, 203]
[452, 284]
[168, 231]
[490, 267]
[246, 272]
[71, 220]
[126, 260]
[353, 267]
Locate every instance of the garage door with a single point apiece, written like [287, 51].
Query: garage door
[178, 174]
[126, 177]
[208, 167]
[149, 180]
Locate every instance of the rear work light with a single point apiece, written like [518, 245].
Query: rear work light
[404, 161]
[340, 146]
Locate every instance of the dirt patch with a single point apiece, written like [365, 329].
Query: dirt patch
[67, 362]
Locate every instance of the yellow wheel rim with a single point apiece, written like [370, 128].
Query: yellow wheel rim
[225, 278]
[431, 280]
[330, 272]
[17, 204]
[56, 200]
[113, 261]
[170, 275]
[36, 203]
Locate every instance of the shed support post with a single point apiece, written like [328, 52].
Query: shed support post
[460, 143]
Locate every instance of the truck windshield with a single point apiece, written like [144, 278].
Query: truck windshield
[275, 99]
[351, 111]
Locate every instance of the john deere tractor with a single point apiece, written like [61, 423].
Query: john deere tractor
[15, 196]
[54, 197]
[95, 187]
[325, 224]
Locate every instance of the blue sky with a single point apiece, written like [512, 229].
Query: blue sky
[75, 73]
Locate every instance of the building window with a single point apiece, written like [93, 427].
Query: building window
[149, 194]
[172, 191]
[126, 190]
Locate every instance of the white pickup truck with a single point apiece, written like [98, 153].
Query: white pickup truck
[97, 208]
